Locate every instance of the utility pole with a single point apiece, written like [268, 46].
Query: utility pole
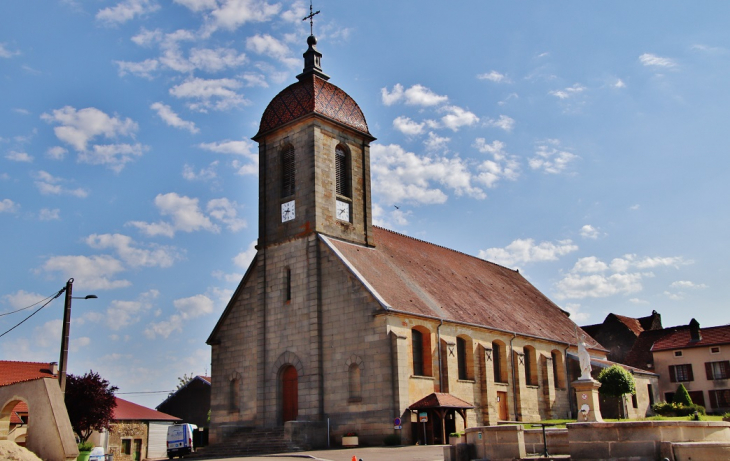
[64, 338]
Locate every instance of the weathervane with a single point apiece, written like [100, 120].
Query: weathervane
[311, 18]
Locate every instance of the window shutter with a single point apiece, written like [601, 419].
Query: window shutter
[672, 374]
[288, 171]
[690, 376]
[342, 179]
[713, 399]
[725, 367]
[708, 370]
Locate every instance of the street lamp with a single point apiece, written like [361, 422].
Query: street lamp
[66, 328]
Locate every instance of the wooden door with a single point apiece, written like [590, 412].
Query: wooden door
[502, 404]
[290, 394]
[137, 454]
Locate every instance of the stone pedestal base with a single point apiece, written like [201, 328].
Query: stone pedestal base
[586, 393]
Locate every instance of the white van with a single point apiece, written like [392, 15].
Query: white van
[180, 440]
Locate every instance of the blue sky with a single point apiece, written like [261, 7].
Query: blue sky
[583, 143]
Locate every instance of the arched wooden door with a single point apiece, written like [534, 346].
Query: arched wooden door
[289, 394]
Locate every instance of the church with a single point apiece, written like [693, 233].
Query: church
[371, 331]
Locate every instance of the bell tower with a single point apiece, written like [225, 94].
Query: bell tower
[314, 161]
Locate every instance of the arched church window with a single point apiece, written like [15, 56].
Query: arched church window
[234, 386]
[499, 358]
[421, 348]
[465, 357]
[342, 171]
[530, 366]
[288, 171]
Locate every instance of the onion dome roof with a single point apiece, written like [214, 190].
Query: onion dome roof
[312, 94]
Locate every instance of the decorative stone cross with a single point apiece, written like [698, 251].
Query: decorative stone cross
[311, 18]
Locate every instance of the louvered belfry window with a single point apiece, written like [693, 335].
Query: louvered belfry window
[343, 179]
[288, 171]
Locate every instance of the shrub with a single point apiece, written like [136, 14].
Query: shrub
[695, 416]
[673, 409]
[392, 440]
[85, 446]
[681, 397]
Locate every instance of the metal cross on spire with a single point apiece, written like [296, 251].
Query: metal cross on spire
[311, 18]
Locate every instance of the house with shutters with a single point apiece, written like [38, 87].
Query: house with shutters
[698, 358]
[346, 325]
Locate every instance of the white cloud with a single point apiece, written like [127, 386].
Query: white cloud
[133, 253]
[56, 152]
[391, 97]
[593, 278]
[401, 176]
[47, 214]
[8, 206]
[619, 84]
[550, 158]
[48, 184]
[522, 251]
[214, 94]
[89, 272]
[126, 11]
[416, 95]
[216, 60]
[503, 122]
[253, 79]
[114, 156]
[589, 232]
[198, 5]
[80, 127]
[121, 314]
[493, 76]
[407, 126]
[568, 92]
[688, 284]
[575, 314]
[653, 60]
[19, 157]
[204, 174]
[185, 215]
[22, 299]
[271, 47]
[232, 14]
[6, 53]
[224, 210]
[638, 301]
[244, 258]
[501, 165]
[456, 117]
[435, 142]
[164, 328]
[172, 119]
[141, 69]
[194, 306]
[148, 37]
[245, 148]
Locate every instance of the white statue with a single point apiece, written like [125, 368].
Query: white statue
[584, 358]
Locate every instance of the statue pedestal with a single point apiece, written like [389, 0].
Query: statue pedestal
[586, 393]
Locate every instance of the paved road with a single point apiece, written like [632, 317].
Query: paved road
[409, 453]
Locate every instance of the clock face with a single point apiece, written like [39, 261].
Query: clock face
[287, 211]
[343, 211]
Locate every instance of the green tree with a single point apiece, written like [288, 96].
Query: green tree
[616, 382]
[90, 403]
[182, 381]
[681, 397]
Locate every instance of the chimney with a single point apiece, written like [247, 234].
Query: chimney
[54, 368]
[694, 331]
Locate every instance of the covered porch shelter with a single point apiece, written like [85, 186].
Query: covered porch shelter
[440, 410]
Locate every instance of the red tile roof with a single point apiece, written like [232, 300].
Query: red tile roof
[16, 372]
[420, 278]
[440, 400]
[128, 411]
[680, 339]
[20, 409]
[205, 378]
[631, 323]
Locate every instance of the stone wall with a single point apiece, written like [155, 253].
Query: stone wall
[134, 433]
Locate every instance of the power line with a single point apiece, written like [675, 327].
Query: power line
[34, 312]
[27, 307]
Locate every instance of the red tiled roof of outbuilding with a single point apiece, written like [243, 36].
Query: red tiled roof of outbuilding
[440, 400]
[15, 372]
[416, 277]
[128, 411]
[681, 339]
